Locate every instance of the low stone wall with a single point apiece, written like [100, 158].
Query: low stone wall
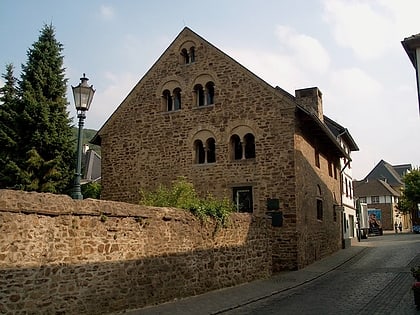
[62, 256]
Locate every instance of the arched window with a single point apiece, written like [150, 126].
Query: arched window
[185, 56]
[192, 54]
[167, 99]
[211, 150]
[188, 56]
[236, 146]
[199, 152]
[249, 146]
[199, 92]
[210, 93]
[177, 99]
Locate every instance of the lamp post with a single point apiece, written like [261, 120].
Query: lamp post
[412, 48]
[83, 95]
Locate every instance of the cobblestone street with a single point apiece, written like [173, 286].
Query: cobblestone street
[377, 281]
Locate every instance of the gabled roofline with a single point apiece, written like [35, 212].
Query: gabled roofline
[389, 167]
[97, 138]
[344, 133]
[325, 130]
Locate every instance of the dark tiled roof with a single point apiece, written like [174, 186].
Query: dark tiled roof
[340, 131]
[402, 169]
[373, 187]
[386, 172]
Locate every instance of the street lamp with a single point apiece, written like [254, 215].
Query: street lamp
[83, 95]
[412, 48]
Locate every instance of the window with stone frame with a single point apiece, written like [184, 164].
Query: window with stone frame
[243, 148]
[242, 199]
[211, 150]
[209, 93]
[205, 153]
[188, 55]
[192, 54]
[199, 95]
[177, 99]
[167, 99]
[204, 95]
[236, 145]
[200, 157]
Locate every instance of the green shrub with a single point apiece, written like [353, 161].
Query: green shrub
[91, 190]
[183, 195]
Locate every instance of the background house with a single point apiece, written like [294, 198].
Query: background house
[381, 190]
[199, 114]
[91, 165]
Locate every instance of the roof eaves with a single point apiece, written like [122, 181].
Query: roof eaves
[326, 131]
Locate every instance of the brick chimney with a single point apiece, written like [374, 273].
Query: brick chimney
[311, 99]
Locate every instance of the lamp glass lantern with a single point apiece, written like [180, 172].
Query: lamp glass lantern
[83, 94]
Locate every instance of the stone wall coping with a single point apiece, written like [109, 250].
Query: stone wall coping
[55, 205]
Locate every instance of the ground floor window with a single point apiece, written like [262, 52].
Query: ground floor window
[242, 198]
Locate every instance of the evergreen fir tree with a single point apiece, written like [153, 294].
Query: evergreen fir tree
[9, 172]
[46, 144]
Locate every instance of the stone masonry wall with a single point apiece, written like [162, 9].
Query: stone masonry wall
[61, 256]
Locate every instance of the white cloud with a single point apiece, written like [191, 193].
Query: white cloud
[296, 64]
[371, 28]
[364, 27]
[304, 50]
[107, 12]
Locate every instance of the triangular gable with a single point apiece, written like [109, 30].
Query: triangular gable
[186, 32]
[385, 171]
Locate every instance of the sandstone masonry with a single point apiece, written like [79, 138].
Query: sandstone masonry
[61, 256]
[199, 114]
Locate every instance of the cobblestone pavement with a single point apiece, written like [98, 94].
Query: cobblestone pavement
[377, 281]
[371, 277]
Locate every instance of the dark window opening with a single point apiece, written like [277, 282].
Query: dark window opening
[199, 152]
[242, 199]
[249, 146]
[211, 150]
[330, 168]
[185, 56]
[188, 56]
[236, 147]
[192, 54]
[168, 100]
[199, 94]
[210, 93]
[319, 209]
[177, 99]
[317, 163]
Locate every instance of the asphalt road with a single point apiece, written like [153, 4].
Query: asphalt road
[377, 281]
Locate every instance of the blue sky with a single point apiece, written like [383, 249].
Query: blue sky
[350, 49]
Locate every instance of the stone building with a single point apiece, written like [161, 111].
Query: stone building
[199, 114]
